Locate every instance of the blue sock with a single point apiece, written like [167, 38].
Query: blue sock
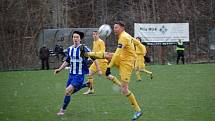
[66, 102]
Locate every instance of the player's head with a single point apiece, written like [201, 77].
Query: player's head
[139, 39]
[119, 27]
[77, 36]
[44, 45]
[95, 35]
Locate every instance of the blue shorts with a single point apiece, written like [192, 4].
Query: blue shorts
[76, 81]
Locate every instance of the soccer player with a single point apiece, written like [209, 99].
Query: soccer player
[101, 66]
[126, 54]
[123, 59]
[140, 61]
[78, 68]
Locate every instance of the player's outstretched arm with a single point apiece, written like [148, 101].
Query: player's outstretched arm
[65, 64]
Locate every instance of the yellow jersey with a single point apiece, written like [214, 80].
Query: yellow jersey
[99, 46]
[139, 47]
[125, 42]
[125, 50]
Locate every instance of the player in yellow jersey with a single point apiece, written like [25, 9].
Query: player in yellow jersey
[101, 66]
[140, 61]
[123, 59]
[125, 54]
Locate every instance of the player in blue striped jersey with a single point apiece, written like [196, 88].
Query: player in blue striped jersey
[78, 68]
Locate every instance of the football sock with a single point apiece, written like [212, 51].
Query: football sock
[90, 79]
[116, 81]
[138, 75]
[66, 102]
[133, 101]
[96, 55]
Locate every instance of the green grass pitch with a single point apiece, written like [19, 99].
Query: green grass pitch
[176, 93]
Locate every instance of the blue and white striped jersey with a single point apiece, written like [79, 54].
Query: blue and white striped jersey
[78, 65]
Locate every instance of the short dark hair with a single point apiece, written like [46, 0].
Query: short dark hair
[139, 39]
[95, 31]
[121, 23]
[81, 34]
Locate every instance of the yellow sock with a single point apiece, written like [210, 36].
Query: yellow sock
[138, 75]
[96, 55]
[116, 81]
[146, 71]
[133, 101]
[90, 79]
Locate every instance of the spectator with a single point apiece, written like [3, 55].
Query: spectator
[180, 51]
[44, 56]
[59, 51]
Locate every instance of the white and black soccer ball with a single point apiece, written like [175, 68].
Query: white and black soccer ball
[104, 30]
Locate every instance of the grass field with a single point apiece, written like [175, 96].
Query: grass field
[177, 93]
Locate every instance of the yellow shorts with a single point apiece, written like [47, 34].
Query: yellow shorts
[117, 61]
[139, 62]
[125, 70]
[103, 67]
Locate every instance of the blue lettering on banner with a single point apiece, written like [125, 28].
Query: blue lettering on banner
[150, 29]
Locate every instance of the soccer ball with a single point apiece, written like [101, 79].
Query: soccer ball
[104, 30]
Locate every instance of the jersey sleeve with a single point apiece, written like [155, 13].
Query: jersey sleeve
[102, 46]
[86, 49]
[67, 55]
[136, 42]
[122, 42]
[139, 45]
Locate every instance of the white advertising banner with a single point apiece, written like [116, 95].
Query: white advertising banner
[162, 32]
